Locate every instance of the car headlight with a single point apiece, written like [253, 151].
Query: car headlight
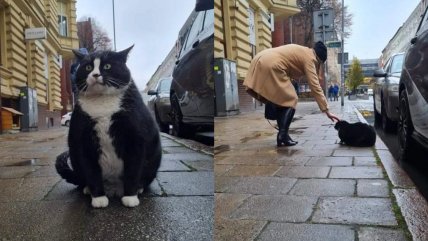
[393, 88]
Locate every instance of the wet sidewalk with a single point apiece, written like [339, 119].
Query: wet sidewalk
[36, 204]
[316, 190]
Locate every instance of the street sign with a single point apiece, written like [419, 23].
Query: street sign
[323, 21]
[35, 33]
[339, 58]
[334, 44]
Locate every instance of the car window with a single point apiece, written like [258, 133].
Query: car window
[193, 33]
[208, 27]
[397, 64]
[387, 65]
[165, 85]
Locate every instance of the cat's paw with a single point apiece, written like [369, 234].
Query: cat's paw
[99, 202]
[130, 201]
[86, 191]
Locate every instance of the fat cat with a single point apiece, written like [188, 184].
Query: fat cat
[114, 143]
[356, 134]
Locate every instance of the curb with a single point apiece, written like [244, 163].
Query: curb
[194, 145]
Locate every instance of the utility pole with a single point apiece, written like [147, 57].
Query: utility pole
[342, 71]
[114, 28]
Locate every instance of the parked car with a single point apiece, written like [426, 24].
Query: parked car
[160, 104]
[413, 94]
[65, 119]
[385, 93]
[192, 88]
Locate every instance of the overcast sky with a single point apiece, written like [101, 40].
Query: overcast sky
[151, 25]
[374, 23]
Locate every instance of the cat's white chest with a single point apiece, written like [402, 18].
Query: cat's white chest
[101, 109]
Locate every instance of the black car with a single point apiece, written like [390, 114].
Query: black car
[413, 89]
[160, 104]
[192, 88]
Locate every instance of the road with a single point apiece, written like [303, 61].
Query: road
[416, 169]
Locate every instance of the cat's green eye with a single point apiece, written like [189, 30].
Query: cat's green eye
[88, 67]
[107, 66]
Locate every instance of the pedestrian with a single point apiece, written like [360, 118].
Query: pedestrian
[269, 81]
[330, 92]
[336, 92]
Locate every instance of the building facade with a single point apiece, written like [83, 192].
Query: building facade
[35, 64]
[242, 29]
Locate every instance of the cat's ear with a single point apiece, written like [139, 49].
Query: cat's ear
[124, 53]
[79, 55]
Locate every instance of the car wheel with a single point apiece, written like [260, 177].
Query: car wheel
[67, 123]
[387, 124]
[405, 130]
[377, 116]
[162, 126]
[178, 127]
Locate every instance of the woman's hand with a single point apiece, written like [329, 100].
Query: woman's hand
[332, 116]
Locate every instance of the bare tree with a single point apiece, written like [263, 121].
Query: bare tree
[305, 18]
[92, 36]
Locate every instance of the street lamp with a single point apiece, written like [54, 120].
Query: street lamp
[342, 72]
[114, 28]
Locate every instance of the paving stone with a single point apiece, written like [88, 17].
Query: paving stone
[352, 210]
[176, 149]
[276, 208]
[224, 183]
[319, 142]
[201, 165]
[27, 189]
[354, 152]
[226, 203]
[298, 160]
[365, 161]
[303, 172]
[237, 230]
[244, 170]
[195, 156]
[187, 183]
[372, 188]
[330, 161]
[323, 187]
[261, 185]
[380, 234]
[16, 171]
[306, 232]
[171, 166]
[44, 171]
[220, 170]
[255, 160]
[356, 172]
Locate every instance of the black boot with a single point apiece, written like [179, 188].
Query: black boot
[285, 116]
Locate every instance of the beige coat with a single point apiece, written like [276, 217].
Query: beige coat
[271, 70]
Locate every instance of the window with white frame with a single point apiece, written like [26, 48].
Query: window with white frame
[62, 19]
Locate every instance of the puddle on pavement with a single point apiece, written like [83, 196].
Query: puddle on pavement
[221, 148]
[29, 162]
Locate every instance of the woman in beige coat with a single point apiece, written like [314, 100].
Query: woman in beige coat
[269, 80]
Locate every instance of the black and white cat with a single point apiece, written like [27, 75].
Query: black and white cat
[114, 143]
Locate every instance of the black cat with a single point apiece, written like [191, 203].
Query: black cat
[114, 143]
[356, 134]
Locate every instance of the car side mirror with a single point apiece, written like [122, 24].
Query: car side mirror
[379, 73]
[152, 92]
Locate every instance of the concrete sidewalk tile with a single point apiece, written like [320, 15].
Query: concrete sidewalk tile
[303, 172]
[372, 188]
[16, 171]
[261, 185]
[171, 166]
[364, 161]
[220, 170]
[296, 160]
[187, 183]
[237, 230]
[194, 156]
[330, 161]
[320, 142]
[380, 234]
[306, 232]
[176, 149]
[276, 208]
[355, 151]
[356, 172]
[256, 160]
[226, 203]
[201, 165]
[352, 210]
[44, 171]
[224, 183]
[323, 187]
[245, 170]
[414, 208]
[396, 174]
[27, 189]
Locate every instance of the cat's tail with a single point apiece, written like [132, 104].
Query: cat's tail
[65, 171]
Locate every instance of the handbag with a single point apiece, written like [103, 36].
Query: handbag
[271, 111]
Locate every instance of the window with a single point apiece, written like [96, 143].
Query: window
[193, 33]
[397, 64]
[62, 19]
